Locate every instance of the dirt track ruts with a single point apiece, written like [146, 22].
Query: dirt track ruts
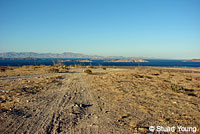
[70, 108]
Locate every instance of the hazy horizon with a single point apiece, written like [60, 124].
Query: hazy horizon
[103, 56]
[132, 28]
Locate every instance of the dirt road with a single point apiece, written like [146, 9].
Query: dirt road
[70, 108]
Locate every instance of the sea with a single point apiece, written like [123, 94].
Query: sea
[152, 62]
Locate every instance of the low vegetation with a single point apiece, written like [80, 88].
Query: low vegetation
[104, 68]
[132, 98]
[15, 90]
[176, 87]
[3, 69]
[145, 96]
[91, 66]
[53, 70]
[59, 69]
[88, 71]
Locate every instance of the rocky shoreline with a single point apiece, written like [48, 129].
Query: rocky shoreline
[193, 60]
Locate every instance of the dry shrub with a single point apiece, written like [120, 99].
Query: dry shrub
[3, 69]
[58, 69]
[176, 87]
[104, 68]
[90, 66]
[53, 70]
[88, 71]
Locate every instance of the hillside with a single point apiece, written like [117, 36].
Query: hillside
[46, 55]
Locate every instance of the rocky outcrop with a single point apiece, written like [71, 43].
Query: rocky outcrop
[84, 61]
[193, 60]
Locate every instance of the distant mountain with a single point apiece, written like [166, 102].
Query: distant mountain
[46, 55]
[29, 55]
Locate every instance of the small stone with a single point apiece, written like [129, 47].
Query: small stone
[17, 100]
[174, 102]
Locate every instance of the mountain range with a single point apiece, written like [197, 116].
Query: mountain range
[52, 55]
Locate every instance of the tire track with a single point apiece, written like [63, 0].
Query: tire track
[73, 108]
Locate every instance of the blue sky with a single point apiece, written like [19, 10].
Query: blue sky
[140, 28]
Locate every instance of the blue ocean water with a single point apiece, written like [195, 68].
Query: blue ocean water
[152, 62]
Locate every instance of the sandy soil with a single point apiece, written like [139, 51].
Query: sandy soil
[115, 100]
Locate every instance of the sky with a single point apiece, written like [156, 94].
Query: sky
[133, 28]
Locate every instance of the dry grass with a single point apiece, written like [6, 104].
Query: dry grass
[13, 90]
[3, 69]
[27, 70]
[136, 97]
[151, 96]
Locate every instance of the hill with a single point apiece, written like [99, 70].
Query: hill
[46, 55]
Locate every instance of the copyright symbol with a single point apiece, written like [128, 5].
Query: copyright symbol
[152, 128]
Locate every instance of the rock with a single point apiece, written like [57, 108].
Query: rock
[76, 109]
[80, 105]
